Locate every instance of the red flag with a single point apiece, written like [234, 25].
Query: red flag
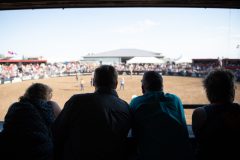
[12, 53]
[9, 52]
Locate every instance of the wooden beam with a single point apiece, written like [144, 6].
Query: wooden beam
[41, 4]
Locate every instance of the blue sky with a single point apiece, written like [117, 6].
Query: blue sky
[68, 34]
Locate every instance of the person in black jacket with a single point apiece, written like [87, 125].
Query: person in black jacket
[27, 125]
[93, 125]
[217, 126]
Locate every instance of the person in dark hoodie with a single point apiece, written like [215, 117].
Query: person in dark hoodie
[94, 125]
[27, 125]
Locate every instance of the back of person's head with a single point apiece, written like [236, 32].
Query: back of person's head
[105, 76]
[219, 86]
[152, 81]
[37, 91]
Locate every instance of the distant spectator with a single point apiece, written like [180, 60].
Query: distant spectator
[82, 84]
[76, 76]
[91, 81]
[159, 124]
[27, 126]
[217, 126]
[131, 69]
[122, 83]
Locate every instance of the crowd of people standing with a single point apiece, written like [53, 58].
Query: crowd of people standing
[36, 71]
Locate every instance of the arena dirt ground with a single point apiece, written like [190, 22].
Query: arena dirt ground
[189, 90]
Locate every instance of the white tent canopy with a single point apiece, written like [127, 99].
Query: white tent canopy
[152, 60]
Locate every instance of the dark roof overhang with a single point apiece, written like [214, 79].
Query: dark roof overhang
[43, 4]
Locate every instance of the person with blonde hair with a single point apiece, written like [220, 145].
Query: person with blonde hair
[27, 125]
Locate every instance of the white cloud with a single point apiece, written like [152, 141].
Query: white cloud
[138, 27]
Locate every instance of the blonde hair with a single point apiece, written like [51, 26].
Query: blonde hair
[37, 91]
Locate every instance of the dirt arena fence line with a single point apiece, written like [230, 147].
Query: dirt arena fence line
[36, 77]
[7, 80]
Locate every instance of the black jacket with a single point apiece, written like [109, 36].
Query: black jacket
[26, 132]
[92, 126]
[219, 137]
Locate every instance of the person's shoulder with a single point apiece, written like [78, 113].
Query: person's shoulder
[76, 102]
[136, 100]
[55, 108]
[16, 106]
[123, 101]
[199, 118]
[76, 97]
[19, 111]
[52, 103]
[172, 96]
[111, 97]
[200, 111]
